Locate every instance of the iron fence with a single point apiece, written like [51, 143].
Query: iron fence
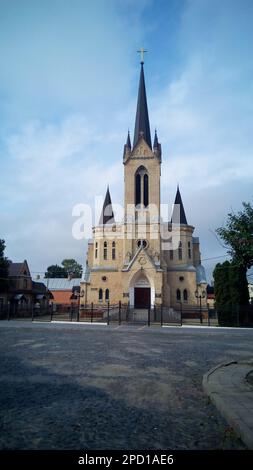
[122, 313]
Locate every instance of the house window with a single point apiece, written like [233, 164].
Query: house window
[105, 250]
[178, 295]
[100, 295]
[113, 250]
[96, 250]
[189, 250]
[180, 251]
[25, 283]
[185, 295]
[171, 254]
[107, 294]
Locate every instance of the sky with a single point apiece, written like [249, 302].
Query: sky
[68, 89]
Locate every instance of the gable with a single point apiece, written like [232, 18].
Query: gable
[141, 259]
[142, 149]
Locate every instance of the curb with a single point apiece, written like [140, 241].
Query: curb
[228, 390]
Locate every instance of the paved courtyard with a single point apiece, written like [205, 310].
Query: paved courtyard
[99, 387]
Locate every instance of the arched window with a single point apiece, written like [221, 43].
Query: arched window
[141, 187]
[105, 250]
[113, 250]
[145, 190]
[137, 189]
[100, 295]
[96, 250]
[189, 250]
[107, 294]
[180, 251]
[178, 294]
[185, 295]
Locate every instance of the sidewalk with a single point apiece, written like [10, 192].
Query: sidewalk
[230, 387]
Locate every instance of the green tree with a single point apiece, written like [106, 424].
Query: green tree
[231, 293]
[4, 265]
[222, 292]
[55, 270]
[238, 236]
[72, 267]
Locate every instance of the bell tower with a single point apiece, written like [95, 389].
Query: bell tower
[142, 170]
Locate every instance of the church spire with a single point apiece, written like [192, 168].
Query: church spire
[107, 214]
[142, 120]
[178, 213]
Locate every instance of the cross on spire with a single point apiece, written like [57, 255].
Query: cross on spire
[142, 52]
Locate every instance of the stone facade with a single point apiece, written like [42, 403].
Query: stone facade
[134, 261]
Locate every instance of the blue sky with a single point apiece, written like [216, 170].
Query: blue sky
[68, 88]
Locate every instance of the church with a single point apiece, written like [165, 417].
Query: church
[143, 261]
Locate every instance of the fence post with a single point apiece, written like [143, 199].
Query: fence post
[161, 307]
[149, 316]
[32, 312]
[91, 318]
[78, 310]
[108, 313]
[238, 315]
[71, 312]
[8, 311]
[120, 312]
[208, 314]
[154, 313]
[52, 311]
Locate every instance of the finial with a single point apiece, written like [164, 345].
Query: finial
[142, 52]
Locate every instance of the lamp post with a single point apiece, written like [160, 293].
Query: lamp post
[200, 295]
[78, 295]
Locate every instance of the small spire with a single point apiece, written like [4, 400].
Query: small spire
[107, 214]
[128, 142]
[155, 146]
[178, 213]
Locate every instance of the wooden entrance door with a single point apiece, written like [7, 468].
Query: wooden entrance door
[142, 297]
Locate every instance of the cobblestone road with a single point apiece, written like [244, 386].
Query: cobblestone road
[88, 387]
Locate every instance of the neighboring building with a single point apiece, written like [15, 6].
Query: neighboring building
[22, 293]
[210, 296]
[62, 289]
[128, 261]
[250, 286]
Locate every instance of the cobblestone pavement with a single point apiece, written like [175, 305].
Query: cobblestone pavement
[95, 387]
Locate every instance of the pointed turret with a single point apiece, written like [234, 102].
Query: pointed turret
[107, 214]
[155, 145]
[178, 213]
[128, 142]
[142, 126]
[127, 148]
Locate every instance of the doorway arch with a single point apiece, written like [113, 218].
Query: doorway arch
[141, 290]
